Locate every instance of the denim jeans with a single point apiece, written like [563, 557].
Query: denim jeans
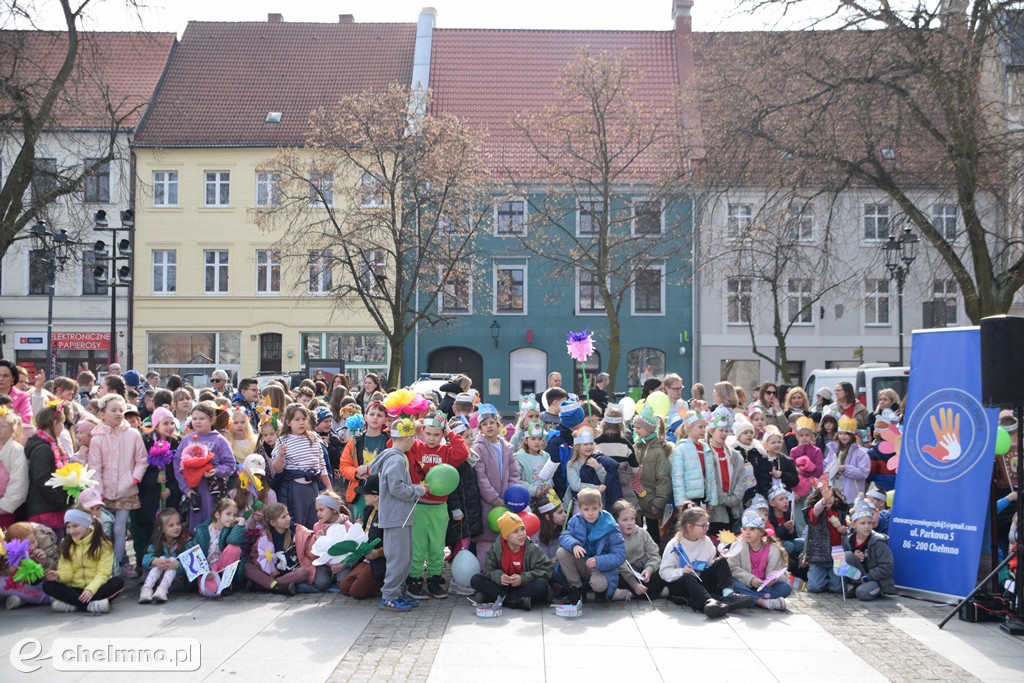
[821, 578]
[779, 589]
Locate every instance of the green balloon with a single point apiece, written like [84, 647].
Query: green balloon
[494, 515]
[1002, 441]
[442, 479]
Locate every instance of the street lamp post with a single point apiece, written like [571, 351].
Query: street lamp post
[120, 251]
[54, 246]
[899, 254]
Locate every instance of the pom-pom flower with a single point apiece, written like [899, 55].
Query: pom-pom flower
[342, 546]
[195, 462]
[405, 402]
[73, 478]
[265, 555]
[355, 423]
[16, 551]
[580, 345]
[29, 571]
[160, 454]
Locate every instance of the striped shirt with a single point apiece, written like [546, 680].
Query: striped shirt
[300, 454]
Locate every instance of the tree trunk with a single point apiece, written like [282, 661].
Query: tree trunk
[614, 333]
[395, 366]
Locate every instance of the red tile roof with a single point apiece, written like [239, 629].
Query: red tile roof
[225, 77]
[127, 65]
[486, 77]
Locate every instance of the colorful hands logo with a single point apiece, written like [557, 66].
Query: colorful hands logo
[947, 436]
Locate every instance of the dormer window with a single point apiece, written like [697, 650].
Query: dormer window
[273, 117]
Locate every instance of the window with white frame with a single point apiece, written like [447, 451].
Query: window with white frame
[738, 303]
[268, 188]
[97, 182]
[215, 271]
[944, 220]
[876, 221]
[165, 188]
[649, 290]
[510, 217]
[268, 271]
[588, 217]
[165, 271]
[321, 190]
[218, 188]
[456, 296]
[370, 195]
[372, 271]
[647, 215]
[946, 292]
[801, 222]
[509, 288]
[876, 302]
[320, 266]
[588, 292]
[739, 219]
[798, 298]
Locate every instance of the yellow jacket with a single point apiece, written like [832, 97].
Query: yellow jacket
[83, 571]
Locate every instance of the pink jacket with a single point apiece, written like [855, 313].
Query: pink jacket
[492, 482]
[118, 457]
[21, 403]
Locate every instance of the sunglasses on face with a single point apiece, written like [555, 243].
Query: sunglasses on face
[770, 392]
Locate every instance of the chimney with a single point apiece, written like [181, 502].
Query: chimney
[685, 71]
[681, 15]
[346, 18]
[275, 18]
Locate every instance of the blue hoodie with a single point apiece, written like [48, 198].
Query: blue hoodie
[602, 540]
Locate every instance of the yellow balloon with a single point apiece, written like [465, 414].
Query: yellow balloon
[659, 403]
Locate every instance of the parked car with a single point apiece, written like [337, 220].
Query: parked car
[867, 380]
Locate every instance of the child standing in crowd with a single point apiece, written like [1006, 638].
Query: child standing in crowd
[360, 452]
[222, 465]
[13, 467]
[552, 517]
[496, 470]
[331, 442]
[868, 551]
[42, 548]
[221, 539]
[825, 530]
[691, 478]
[592, 550]
[267, 441]
[532, 459]
[398, 498]
[118, 456]
[430, 520]
[616, 446]
[877, 497]
[159, 487]
[45, 454]
[828, 426]
[240, 434]
[329, 511]
[464, 506]
[287, 572]
[583, 456]
[881, 475]
[82, 580]
[695, 574]
[846, 463]
[780, 516]
[251, 506]
[160, 560]
[367, 577]
[759, 558]
[772, 467]
[528, 414]
[516, 569]
[808, 460]
[299, 464]
[730, 474]
[642, 557]
[653, 482]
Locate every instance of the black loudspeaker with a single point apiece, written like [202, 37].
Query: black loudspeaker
[1002, 361]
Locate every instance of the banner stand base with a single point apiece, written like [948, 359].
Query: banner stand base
[930, 596]
[1006, 561]
[1013, 626]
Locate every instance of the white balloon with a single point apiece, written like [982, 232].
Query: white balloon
[628, 406]
[464, 567]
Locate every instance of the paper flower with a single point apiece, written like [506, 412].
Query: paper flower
[16, 550]
[248, 480]
[405, 402]
[195, 461]
[73, 478]
[265, 555]
[342, 546]
[403, 428]
[29, 571]
[726, 537]
[892, 438]
[580, 345]
[355, 423]
[268, 413]
[160, 454]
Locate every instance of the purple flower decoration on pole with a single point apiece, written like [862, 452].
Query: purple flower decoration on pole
[17, 550]
[580, 345]
[160, 454]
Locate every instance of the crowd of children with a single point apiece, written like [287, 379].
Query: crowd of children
[246, 494]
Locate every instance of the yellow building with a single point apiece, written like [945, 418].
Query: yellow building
[210, 289]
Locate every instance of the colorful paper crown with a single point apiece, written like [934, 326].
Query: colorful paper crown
[583, 435]
[776, 491]
[887, 417]
[486, 411]
[551, 503]
[527, 403]
[804, 422]
[758, 502]
[535, 429]
[436, 420]
[862, 508]
[403, 428]
[830, 411]
[848, 425]
[752, 519]
[647, 416]
[722, 418]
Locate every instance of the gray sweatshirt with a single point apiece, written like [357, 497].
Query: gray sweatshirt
[398, 495]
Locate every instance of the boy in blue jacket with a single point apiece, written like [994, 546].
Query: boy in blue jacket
[591, 549]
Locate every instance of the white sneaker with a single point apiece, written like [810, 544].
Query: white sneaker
[146, 595]
[160, 594]
[621, 594]
[61, 606]
[98, 607]
[775, 603]
[458, 589]
[14, 602]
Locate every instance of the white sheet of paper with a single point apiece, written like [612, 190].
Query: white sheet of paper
[193, 561]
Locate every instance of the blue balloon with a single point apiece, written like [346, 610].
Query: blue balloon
[464, 567]
[517, 498]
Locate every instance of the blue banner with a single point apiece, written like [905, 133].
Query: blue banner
[945, 468]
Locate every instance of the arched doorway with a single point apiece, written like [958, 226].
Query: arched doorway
[456, 359]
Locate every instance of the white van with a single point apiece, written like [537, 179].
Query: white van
[867, 380]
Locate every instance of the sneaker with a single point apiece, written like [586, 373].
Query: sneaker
[775, 603]
[737, 601]
[574, 596]
[61, 606]
[160, 594]
[146, 595]
[128, 571]
[414, 589]
[622, 594]
[714, 609]
[397, 605]
[98, 607]
[14, 602]
[458, 589]
[436, 589]
[409, 601]
[524, 604]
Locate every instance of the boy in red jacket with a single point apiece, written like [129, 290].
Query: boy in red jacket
[430, 519]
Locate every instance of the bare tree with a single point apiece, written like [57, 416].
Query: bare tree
[908, 95]
[387, 199]
[609, 164]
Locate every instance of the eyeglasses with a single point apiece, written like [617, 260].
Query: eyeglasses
[702, 526]
[770, 392]
[678, 388]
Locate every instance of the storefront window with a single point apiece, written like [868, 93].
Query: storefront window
[642, 364]
[194, 355]
[362, 352]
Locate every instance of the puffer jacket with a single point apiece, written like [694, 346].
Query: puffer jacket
[82, 570]
[119, 458]
[14, 477]
[688, 480]
[609, 548]
[877, 560]
[655, 458]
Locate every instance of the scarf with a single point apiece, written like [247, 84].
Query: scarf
[60, 458]
[723, 467]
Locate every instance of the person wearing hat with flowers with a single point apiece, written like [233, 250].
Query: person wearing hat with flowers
[528, 412]
[868, 551]
[398, 496]
[496, 470]
[729, 472]
[846, 463]
[516, 569]
[532, 460]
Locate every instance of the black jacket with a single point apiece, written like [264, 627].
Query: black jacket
[465, 497]
[42, 498]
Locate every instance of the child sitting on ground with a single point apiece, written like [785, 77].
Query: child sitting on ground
[592, 550]
[82, 581]
[92, 501]
[780, 516]
[329, 510]
[279, 532]
[516, 569]
[552, 521]
[868, 551]
[760, 557]
[221, 539]
[367, 577]
[160, 560]
[642, 556]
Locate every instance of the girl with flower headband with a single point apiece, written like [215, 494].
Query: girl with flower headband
[13, 467]
[534, 471]
[118, 456]
[203, 443]
[45, 454]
